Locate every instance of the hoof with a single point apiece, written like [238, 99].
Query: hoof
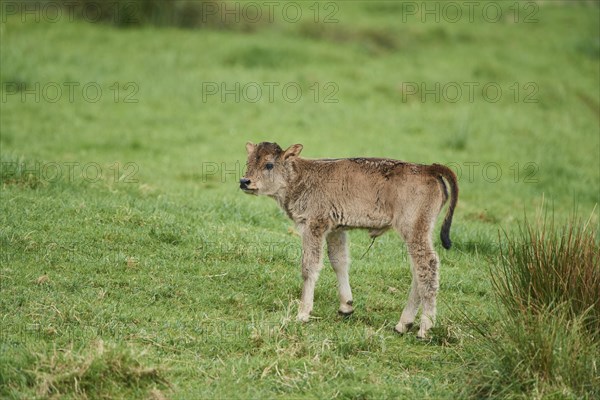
[403, 328]
[345, 313]
[303, 317]
[346, 309]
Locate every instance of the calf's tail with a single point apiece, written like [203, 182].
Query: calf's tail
[449, 175]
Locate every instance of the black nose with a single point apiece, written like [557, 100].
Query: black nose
[244, 183]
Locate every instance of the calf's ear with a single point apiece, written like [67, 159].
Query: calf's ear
[292, 151]
[250, 147]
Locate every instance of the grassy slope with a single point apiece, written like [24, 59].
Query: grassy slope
[177, 264]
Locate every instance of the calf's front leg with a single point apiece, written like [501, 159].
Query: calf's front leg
[312, 262]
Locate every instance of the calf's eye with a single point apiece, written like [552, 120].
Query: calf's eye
[269, 166]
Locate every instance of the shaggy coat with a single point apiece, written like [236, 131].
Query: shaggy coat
[326, 197]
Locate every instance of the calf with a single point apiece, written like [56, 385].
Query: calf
[327, 197]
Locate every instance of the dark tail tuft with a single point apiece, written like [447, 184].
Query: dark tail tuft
[449, 175]
[445, 234]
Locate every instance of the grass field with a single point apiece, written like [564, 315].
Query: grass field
[131, 264]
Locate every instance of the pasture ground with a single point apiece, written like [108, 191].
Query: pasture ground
[142, 270]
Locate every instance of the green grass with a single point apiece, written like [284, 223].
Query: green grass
[548, 266]
[535, 355]
[70, 372]
[546, 342]
[191, 286]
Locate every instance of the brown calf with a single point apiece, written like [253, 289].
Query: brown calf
[326, 197]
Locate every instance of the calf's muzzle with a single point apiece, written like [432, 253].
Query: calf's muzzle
[244, 182]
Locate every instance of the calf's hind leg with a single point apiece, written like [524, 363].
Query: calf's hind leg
[337, 250]
[425, 273]
[425, 276]
[412, 305]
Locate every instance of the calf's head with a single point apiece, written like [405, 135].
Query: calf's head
[267, 169]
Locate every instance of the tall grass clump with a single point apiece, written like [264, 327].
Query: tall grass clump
[545, 267]
[546, 342]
